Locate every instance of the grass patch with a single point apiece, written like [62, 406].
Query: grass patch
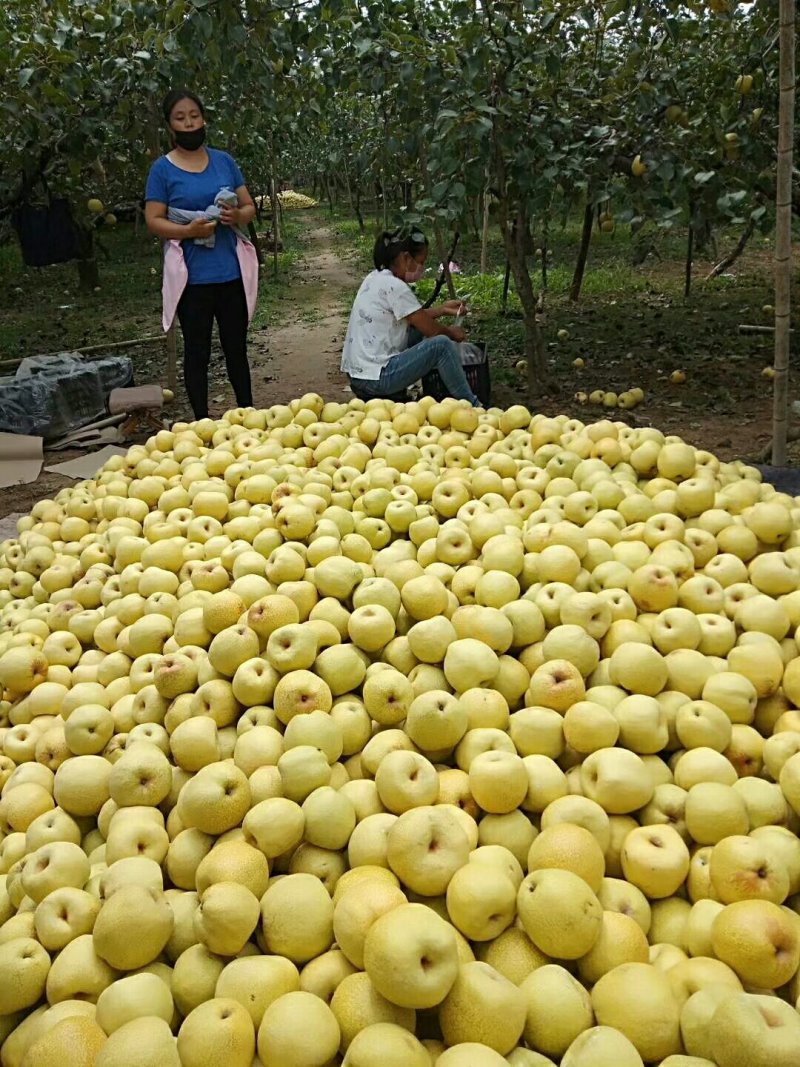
[273, 291]
[348, 240]
[43, 309]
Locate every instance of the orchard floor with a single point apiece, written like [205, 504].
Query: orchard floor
[725, 402]
[303, 355]
[300, 356]
[626, 338]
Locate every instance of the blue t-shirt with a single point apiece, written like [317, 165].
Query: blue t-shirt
[183, 189]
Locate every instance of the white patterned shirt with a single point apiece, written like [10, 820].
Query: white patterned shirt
[378, 328]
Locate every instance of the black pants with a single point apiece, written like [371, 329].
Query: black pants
[198, 307]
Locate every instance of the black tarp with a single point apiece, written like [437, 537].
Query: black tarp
[46, 234]
[785, 479]
[53, 395]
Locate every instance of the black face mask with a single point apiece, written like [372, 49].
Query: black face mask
[190, 140]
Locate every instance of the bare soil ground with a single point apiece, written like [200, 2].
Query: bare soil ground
[303, 355]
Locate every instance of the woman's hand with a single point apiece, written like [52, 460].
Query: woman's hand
[229, 215]
[455, 333]
[451, 308]
[200, 227]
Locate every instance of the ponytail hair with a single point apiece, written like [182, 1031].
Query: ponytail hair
[390, 245]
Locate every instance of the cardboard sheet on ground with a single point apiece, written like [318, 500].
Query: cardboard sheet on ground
[101, 432]
[87, 466]
[20, 459]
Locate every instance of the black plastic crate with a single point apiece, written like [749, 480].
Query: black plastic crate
[477, 374]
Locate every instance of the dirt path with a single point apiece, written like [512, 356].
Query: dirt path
[298, 357]
[303, 355]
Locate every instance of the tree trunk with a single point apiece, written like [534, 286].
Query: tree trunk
[154, 130]
[545, 244]
[256, 241]
[514, 241]
[276, 224]
[357, 208]
[88, 272]
[441, 248]
[384, 201]
[485, 232]
[583, 251]
[475, 206]
[687, 283]
[783, 232]
[733, 255]
[354, 195]
[506, 286]
[437, 229]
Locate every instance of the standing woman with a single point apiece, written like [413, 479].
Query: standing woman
[198, 204]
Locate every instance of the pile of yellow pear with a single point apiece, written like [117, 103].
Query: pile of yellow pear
[400, 735]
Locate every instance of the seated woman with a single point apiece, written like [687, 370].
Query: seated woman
[382, 353]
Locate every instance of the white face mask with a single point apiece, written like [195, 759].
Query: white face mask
[415, 275]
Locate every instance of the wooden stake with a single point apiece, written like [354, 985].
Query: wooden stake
[783, 232]
[744, 328]
[93, 350]
[172, 358]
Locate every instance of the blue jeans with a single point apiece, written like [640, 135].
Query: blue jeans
[433, 353]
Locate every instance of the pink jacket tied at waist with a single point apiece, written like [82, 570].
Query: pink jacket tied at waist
[176, 277]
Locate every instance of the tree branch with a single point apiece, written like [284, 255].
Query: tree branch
[733, 255]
